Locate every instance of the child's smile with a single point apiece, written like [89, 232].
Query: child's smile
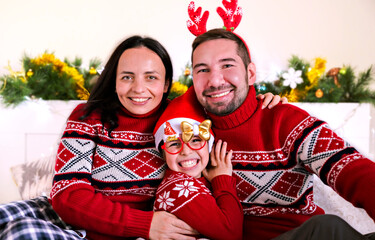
[189, 161]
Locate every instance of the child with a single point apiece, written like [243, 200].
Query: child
[185, 140]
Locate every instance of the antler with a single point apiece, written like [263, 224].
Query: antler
[198, 24]
[231, 16]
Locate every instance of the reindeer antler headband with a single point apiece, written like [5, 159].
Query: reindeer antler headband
[231, 17]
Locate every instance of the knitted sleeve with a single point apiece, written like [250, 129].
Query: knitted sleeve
[73, 196]
[216, 217]
[338, 164]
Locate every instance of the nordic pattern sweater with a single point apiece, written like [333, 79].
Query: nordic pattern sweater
[276, 153]
[106, 184]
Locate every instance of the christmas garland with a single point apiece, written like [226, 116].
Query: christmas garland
[303, 83]
[48, 78]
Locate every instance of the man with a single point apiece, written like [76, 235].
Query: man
[277, 150]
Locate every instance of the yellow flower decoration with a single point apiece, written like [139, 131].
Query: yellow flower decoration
[295, 95]
[82, 92]
[178, 88]
[317, 71]
[48, 58]
[320, 65]
[313, 75]
[291, 96]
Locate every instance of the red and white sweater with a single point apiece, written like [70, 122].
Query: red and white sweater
[216, 216]
[276, 151]
[106, 185]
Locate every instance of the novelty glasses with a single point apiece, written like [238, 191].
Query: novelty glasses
[176, 146]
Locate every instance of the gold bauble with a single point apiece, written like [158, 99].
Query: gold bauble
[30, 73]
[93, 71]
[187, 72]
[342, 71]
[319, 93]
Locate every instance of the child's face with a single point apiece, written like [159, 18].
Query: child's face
[189, 161]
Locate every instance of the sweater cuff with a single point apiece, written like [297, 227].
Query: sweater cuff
[139, 223]
[223, 182]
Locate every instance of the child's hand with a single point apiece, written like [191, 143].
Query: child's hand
[220, 161]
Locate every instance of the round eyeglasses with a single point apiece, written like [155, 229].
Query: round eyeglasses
[176, 146]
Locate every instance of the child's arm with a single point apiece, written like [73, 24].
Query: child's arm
[226, 211]
[220, 161]
[217, 216]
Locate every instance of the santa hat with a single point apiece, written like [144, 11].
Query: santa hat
[183, 114]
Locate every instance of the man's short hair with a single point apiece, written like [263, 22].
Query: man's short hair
[220, 33]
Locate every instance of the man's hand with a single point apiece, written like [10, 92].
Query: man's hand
[165, 225]
[220, 161]
[270, 100]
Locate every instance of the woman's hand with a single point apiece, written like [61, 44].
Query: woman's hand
[165, 225]
[270, 100]
[221, 163]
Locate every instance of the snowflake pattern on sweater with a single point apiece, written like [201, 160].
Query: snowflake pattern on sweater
[177, 190]
[213, 209]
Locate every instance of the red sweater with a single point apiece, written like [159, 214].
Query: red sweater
[216, 217]
[106, 185]
[276, 151]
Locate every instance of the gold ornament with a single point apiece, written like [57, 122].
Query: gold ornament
[319, 93]
[187, 72]
[30, 73]
[343, 71]
[93, 71]
[188, 133]
[204, 129]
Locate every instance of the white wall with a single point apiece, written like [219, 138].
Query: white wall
[342, 31]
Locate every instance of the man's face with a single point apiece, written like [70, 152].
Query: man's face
[221, 81]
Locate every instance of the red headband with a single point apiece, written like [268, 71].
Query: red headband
[231, 17]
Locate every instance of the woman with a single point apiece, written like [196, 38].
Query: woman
[107, 168]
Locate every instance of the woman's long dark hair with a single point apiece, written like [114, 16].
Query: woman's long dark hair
[103, 96]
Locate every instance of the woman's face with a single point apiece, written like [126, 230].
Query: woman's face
[140, 80]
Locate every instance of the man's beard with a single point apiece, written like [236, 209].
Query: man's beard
[222, 108]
